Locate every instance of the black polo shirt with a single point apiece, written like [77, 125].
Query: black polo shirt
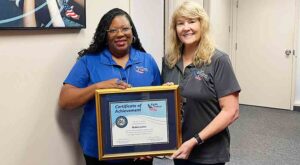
[201, 89]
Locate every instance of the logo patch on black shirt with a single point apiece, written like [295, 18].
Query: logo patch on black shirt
[200, 75]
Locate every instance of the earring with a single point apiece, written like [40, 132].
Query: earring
[133, 39]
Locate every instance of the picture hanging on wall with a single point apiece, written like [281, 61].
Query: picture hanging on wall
[42, 14]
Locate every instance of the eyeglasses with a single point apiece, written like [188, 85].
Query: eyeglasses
[124, 30]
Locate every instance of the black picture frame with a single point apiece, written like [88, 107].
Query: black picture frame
[42, 14]
[164, 94]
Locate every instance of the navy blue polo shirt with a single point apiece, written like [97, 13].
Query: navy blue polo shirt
[140, 70]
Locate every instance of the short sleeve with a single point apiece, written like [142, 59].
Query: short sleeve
[156, 73]
[225, 80]
[79, 75]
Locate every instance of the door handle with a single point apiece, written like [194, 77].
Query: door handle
[288, 52]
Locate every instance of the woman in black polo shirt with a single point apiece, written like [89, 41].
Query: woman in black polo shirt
[209, 88]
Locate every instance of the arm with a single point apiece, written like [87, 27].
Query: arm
[29, 20]
[229, 113]
[72, 97]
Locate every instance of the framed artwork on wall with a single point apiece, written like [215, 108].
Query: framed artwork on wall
[42, 14]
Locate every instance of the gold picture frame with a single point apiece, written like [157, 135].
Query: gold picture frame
[139, 121]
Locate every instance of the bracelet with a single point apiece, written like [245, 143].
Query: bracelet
[199, 140]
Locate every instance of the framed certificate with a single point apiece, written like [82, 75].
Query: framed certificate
[138, 121]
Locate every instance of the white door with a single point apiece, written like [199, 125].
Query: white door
[265, 30]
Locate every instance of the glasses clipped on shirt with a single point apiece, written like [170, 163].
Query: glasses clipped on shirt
[124, 30]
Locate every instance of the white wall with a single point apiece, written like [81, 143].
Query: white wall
[34, 131]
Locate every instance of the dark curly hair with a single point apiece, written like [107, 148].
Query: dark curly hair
[100, 37]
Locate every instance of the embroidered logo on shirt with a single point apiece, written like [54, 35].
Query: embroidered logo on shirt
[141, 69]
[200, 75]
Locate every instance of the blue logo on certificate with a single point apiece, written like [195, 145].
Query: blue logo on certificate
[121, 121]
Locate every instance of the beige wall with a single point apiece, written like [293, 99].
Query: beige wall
[33, 66]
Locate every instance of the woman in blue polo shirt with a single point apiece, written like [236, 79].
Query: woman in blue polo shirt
[115, 59]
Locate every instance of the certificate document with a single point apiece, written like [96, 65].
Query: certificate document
[138, 122]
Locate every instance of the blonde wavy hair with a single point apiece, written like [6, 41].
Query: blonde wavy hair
[206, 47]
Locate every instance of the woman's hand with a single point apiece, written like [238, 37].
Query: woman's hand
[168, 84]
[72, 97]
[145, 158]
[113, 83]
[185, 149]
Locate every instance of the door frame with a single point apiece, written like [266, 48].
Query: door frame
[297, 54]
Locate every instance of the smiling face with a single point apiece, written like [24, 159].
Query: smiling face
[188, 31]
[119, 36]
